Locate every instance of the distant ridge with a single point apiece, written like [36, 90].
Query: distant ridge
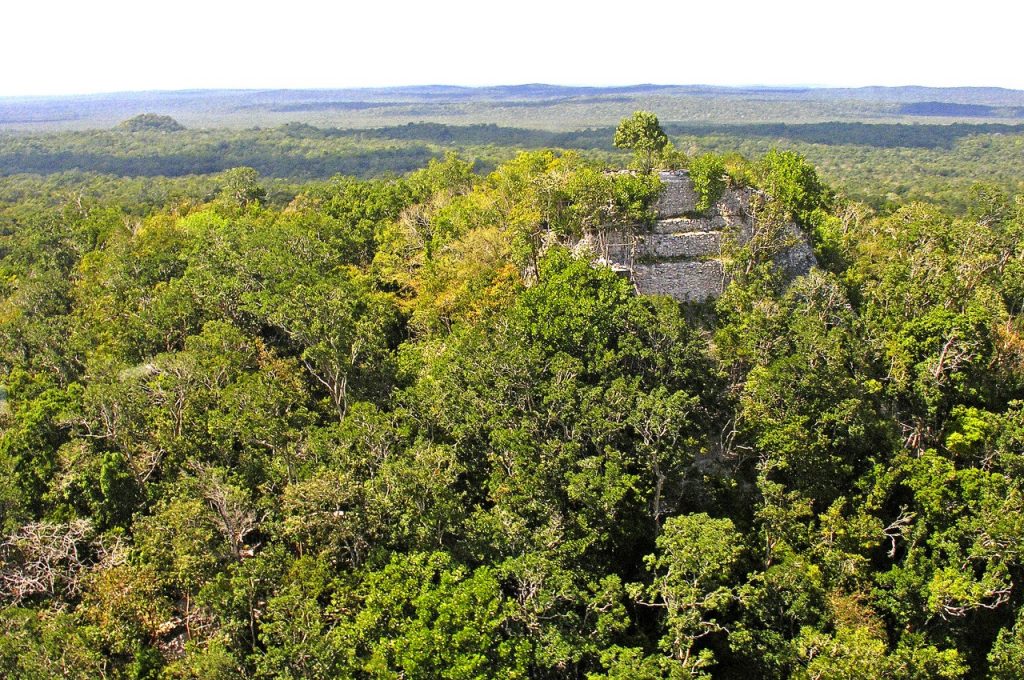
[578, 105]
[542, 90]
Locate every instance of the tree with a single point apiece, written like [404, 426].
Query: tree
[45, 559]
[344, 330]
[692, 568]
[36, 646]
[425, 616]
[707, 172]
[792, 181]
[642, 133]
[241, 187]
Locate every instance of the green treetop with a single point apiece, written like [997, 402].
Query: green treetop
[642, 133]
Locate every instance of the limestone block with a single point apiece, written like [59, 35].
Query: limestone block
[694, 281]
[679, 198]
[734, 205]
[676, 225]
[685, 244]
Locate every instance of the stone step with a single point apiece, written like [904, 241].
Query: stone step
[697, 281]
[678, 225]
[684, 244]
[679, 197]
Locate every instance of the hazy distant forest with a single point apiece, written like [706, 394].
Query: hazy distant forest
[881, 146]
[334, 396]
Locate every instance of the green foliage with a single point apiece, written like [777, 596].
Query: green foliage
[240, 187]
[396, 428]
[707, 172]
[884, 164]
[1006, 660]
[119, 491]
[181, 541]
[642, 133]
[30, 442]
[789, 179]
[672, 158]
[424, 616]
[695, 559]
[453, 175]
[41, 645]
[151, 122]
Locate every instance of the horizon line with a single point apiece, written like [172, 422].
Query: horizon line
[754, 86]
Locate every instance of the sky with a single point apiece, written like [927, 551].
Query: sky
[52, 47]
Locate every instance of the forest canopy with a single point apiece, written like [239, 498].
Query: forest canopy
[885, 165]
[396, 427]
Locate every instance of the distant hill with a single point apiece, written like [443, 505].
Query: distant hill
[535, 105]
[151, 122]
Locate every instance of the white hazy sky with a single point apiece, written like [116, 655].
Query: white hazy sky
[82, 46]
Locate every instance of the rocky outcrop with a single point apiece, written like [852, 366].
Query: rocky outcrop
[681, 255]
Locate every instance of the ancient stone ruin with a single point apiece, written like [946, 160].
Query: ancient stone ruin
[681, 255]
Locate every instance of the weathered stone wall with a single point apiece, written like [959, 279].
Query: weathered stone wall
[679, 197]
[679, 225]
[680, 255]
[692, 244]
[686, 281]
